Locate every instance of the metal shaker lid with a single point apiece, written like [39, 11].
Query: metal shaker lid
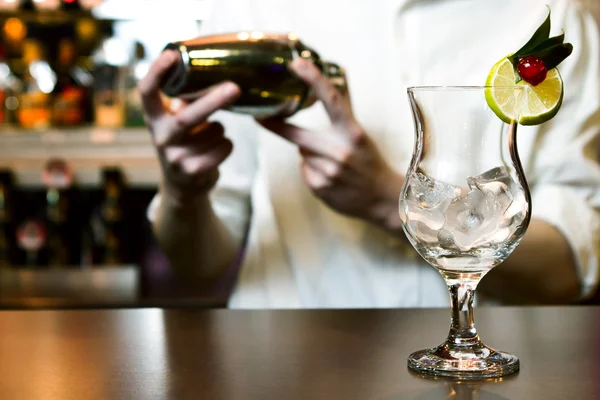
[176, 78]
[334, 73]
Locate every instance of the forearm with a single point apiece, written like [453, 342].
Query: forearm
[541, 270]
[196, 242]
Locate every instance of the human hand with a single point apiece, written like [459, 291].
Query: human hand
[342, 165]
[189, 147]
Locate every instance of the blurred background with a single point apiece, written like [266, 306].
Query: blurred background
[77, 169]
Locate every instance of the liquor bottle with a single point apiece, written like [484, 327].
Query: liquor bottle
[112, 215]
[57, 178]
[6, 188]
[256, 62]
[106, 222]
[106, 225]
[9, 5]
[46, 5]
[4, 248]
[10, 86]
[3, 113]
[4, 72]
[109, 84]
[57, 245]
[71, 102]
[6, 216]
[31, 237]
[139, 66]
[89, 4]
[71, 5]
[38, 82]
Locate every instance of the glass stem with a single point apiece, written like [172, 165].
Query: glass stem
[462, 293]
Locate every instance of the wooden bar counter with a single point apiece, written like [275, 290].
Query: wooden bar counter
[296, 354]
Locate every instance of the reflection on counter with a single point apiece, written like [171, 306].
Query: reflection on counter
[40, 288]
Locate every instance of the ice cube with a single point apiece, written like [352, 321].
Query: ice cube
[497, 183]
[514, 216]
[421, 231]
[502, 234]
[489, 213]
[467, 212]
[446, 240]
[429, 193]
[468, 219]
[515, 213]
[432, 218]
[518, 207]
[425, 204]
[489, 180]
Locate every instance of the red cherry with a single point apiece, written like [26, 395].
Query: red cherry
[532, 70]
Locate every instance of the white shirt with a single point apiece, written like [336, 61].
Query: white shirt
[300, 253]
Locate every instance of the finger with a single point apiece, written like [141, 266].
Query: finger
[174, 105]
[203, 132]
[211, 135]
[197, 130]
[324, 145]
[209, 179]
[164, 137]
[175, 128]
[204, 162]
[174, 154]
[327, 167]
[336, 103]
[206, 142]
[313, 178]
[202, 137]
[149, 86]
[217, 97]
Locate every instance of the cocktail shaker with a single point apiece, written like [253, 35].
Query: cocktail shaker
[256, 62]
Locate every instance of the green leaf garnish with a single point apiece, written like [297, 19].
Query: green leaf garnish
[550, 42]
[554, 55]
[551, 50]
[542, 33]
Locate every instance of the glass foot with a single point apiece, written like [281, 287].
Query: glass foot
[472, 362]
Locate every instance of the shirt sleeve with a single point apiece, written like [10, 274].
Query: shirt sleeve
[564, 173]
[231, 197]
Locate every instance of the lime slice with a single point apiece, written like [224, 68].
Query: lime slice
[540, 104]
